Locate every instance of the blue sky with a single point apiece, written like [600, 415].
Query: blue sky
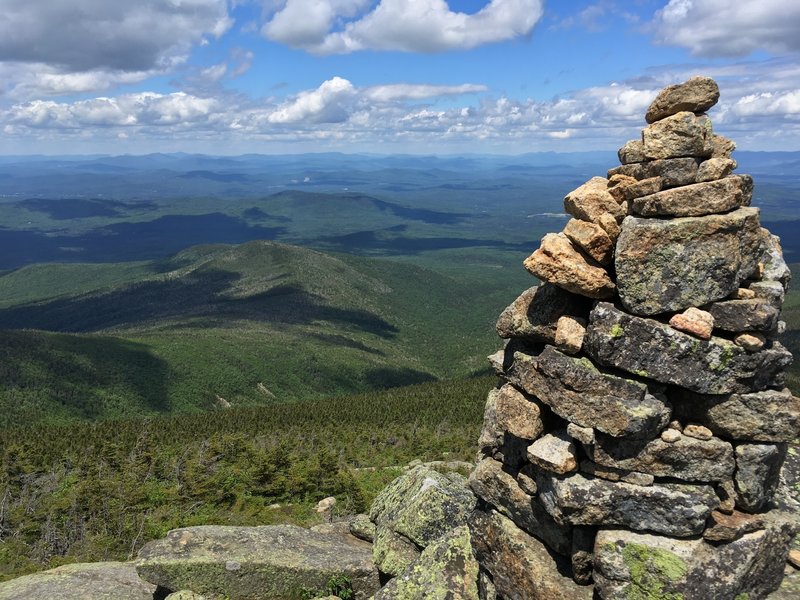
[429, 76]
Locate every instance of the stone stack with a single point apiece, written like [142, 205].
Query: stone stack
[636, 439]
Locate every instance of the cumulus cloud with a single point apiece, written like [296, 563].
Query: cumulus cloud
[416, 26]
[326, 104]
[717, 28]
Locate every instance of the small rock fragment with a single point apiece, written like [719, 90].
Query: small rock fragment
[671, 435]
[715, 168]
[723, 527]
[585, 435]
[591, 200]
[695, 321]
[723, 147]
[592, 238]
[554, 452]
[750, 341]
[698, 432]
[569, 334]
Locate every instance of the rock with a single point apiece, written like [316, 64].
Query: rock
[772, 291]
[498, 488]
[630, 191]
[249, 563]
[794, 558]
[758, 468]
[486, 589]
[680, 135]
[520, 565]
[79, 581]
[554, 452]
[609, 225]
[715, 168]
[614, 474]
[697, 199]
[767, 416]
[667, 265]
[636, 478]
[698, 432]
[591, 200]
[726, 492]
[652, 349]
[673, 171]
[673, 509]
[774, 266]
[423, 504]
[723, 147]
[510, 412]
[752, 342]
[584, 435]
[577, 391]
[676, 425]
[727, 528]
[635, 170]
[742, 294]
[631, 152]
[446, 570]
[582, 554]
[534, 315]
[640, 565]
[558, 262]
[392, 552]
[686, 458]
[696, 95]
[744, 315]
[569, 334]
[186, 595]
[670, 436]
[362, 528]
[699, 323]
[592, 238]
[325, 507]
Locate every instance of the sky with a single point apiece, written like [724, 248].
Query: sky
[384, 76]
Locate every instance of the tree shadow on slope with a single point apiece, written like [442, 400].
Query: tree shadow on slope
[52, 376]
[197, 294]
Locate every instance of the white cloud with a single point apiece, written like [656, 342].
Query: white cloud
[408, 91]
[326, 104]
[724, 28]
[408, 26]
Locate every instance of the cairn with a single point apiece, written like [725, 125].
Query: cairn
[633, 447]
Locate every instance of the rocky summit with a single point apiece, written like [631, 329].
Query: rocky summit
[648, 360]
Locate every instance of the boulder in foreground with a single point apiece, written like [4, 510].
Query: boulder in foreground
[81, 581]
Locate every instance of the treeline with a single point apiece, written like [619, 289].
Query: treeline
[99, 491]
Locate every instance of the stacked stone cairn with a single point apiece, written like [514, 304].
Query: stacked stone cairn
[633, 447]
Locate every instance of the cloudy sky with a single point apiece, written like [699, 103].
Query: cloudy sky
[457, 76]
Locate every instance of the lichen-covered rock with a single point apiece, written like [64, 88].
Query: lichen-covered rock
[576, 390]
[640, 565]
[186, 595]
[774, 267]
[423, 504]
[744, 315]
[766, 416]
[682, 134]
[250, 563]
[446, 570]
[392, 552]
[591, 200]
[498, 488]
[687, 458]
[719, 196]
[670, 508]
[696, 95]
[558, 262]
[758, 468]
[520, 565]
[665, 265]
[362, 528]
[534, 314]
[723, 527]
[80, 581]
[655, 350]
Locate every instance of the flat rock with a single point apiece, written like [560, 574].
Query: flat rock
[697, 199]
[715, 168]
[98, 581]
[534, 314]
[631, 152]
[249, 563]
[758, 468]
[630, 191]
[697, 95]
[520, 565]
[640, 565]
[682, 134]
[362, 528]
[699, 323]
[726, 528]
[668, 265]
[591, 238]
[576, 390]
[766, 416]
[446, 570]
[655, 350]
[591, 200]
[558, 262]
[614, 474]
[669, 508]
[499, 488]
[686, 458]
[673, 171]
[744, 315]
[554, 452]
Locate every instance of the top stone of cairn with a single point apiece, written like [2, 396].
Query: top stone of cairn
[696, 95]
